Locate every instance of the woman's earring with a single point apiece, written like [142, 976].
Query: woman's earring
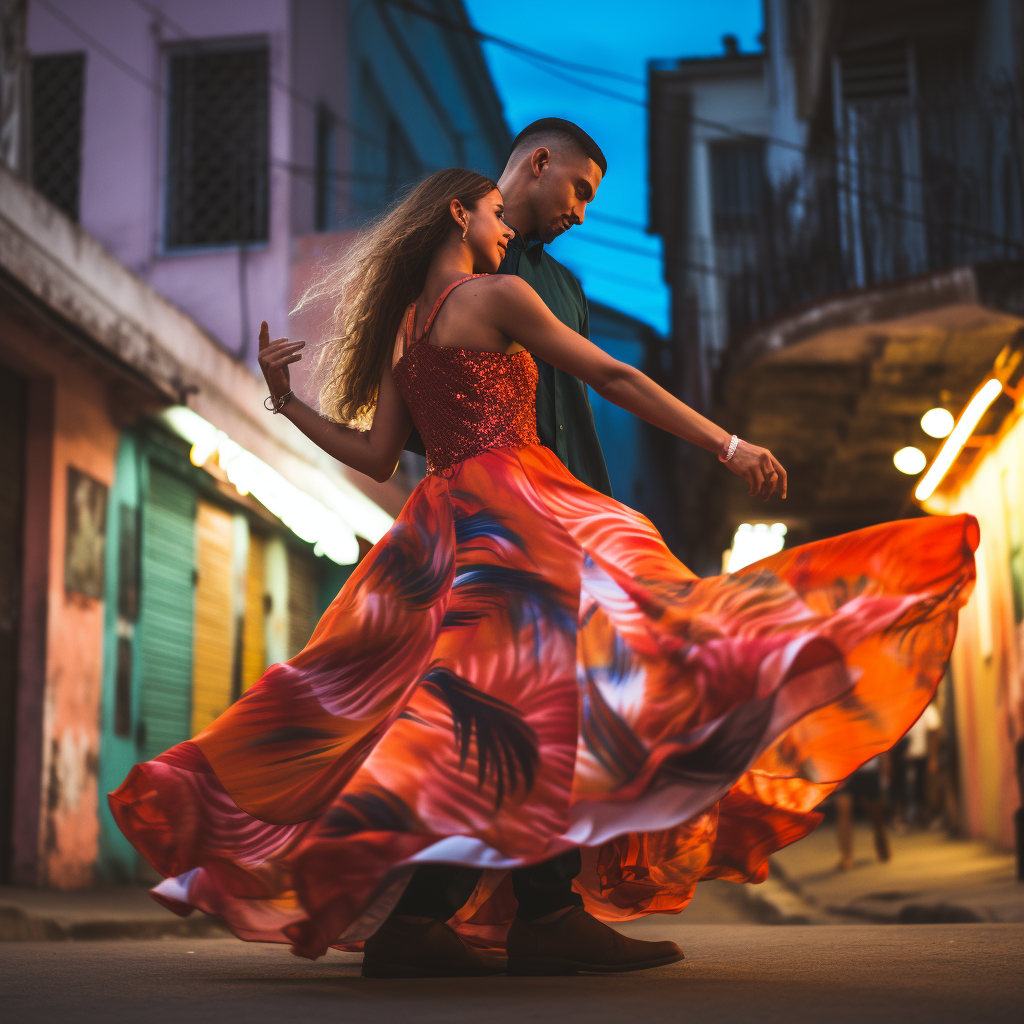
[465, 230]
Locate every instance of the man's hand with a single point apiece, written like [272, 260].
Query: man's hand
[274, 359]
[762, 471]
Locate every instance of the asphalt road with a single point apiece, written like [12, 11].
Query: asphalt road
[868, 974]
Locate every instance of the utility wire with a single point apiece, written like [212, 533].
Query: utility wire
[842, 186]
[141, 78]
[508, 44]
[551, 64]
[279, 83]
[622, 222]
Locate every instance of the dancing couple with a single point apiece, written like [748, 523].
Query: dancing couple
[522, 717]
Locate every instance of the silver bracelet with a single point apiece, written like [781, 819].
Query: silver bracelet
[276, 404]
[733, 442]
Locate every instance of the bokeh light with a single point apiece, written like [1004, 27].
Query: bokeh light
[910, 460]
[937, 422]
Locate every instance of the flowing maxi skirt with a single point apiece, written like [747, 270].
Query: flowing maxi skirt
[520, 667]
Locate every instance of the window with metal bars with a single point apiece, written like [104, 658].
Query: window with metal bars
[58, 83]
[737, 179]
[218, 152]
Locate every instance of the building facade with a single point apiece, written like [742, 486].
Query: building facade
[168, 168]
[843, 266]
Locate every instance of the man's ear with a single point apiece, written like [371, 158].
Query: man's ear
[541, 158]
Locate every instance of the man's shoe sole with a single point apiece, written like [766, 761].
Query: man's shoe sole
[533, 966]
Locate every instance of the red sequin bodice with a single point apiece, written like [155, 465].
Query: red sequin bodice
[464, 401]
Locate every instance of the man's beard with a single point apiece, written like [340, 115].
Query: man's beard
[552, 232]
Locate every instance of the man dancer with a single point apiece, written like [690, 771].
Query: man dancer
[553, 172]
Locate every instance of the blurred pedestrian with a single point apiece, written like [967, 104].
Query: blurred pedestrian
[921, 765]
[865, 787]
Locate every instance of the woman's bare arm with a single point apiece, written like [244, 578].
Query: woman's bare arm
[374, 452]
[520, 314]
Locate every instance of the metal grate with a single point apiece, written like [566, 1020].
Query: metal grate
[218, 146]
[737, 176]
[878, 72]
[57, 87]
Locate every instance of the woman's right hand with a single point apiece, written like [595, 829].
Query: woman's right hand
[274, 358]
[762, 471]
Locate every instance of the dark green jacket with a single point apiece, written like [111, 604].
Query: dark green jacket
[565, 421]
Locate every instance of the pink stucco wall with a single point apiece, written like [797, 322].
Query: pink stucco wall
[122, 150]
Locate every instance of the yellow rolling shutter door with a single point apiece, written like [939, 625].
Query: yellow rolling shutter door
[214, 619]
[254, 641]
[230, 639]
[302, 608]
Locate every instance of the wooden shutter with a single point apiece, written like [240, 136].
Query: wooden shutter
[302, 601]
[214, 617]
[165, 614]
[254, 644]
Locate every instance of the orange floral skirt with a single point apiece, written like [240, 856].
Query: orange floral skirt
[520, 667]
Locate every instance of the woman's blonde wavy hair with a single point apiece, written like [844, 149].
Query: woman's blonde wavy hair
[372, 286]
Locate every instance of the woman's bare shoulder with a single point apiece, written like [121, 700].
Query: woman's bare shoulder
[502, 288]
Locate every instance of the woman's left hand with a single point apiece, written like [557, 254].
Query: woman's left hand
[274, 358]
[762, 471]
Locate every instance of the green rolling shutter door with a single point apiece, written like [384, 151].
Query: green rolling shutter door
[166, 612]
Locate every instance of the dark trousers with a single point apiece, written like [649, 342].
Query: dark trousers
[439, 890]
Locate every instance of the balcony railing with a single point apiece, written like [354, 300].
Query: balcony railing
[907, 187]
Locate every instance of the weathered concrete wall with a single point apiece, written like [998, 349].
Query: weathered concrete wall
[84, 437]
[123, 151]
[73, 274]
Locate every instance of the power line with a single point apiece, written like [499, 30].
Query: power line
[628, 282]
[508, 44]
[842, 186]
[552, 65]
[99, 47]
[279, 83]
[622, 222]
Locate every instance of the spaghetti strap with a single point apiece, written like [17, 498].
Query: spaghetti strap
[440, 301]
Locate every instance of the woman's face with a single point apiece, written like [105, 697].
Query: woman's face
[488, 235]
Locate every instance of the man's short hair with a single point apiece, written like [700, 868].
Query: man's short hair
[566, 130]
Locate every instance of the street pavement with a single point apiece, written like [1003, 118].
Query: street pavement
[930, 974]
[808, 944]
[930, 878]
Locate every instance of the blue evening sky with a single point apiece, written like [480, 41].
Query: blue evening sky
[617, 36]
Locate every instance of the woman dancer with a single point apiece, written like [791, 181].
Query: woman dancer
[520, 668]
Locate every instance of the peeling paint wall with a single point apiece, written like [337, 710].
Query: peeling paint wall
[84, 438]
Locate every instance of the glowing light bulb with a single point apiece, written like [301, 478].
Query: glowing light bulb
[937, 422]
[910, 460]
[953, 444]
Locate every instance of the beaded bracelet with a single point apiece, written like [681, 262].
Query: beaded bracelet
[733, 442]
[276, 404]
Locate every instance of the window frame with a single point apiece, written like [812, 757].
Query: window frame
[213, 45]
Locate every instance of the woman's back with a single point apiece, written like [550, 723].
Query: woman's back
[463, 401]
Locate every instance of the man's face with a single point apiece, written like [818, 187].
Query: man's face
[565, 181]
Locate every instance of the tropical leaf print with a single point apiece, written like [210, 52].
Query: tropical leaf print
[506, 745]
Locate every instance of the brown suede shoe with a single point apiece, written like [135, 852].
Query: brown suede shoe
[400, 949]
[578, 942]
